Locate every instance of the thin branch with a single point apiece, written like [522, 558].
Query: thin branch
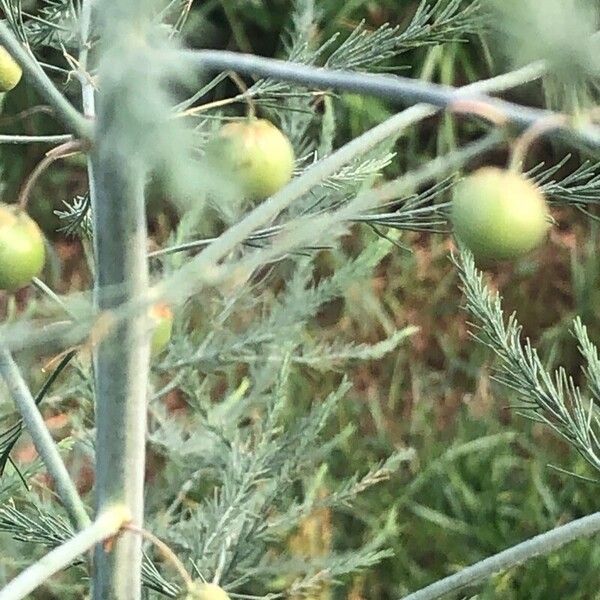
[35, 139]
[165, 550]
[104, 527]
[43, 442]
[67, 149]
[88, 97]
[402, 90]
[87, 87]
[72, 119]
[270, 208]
[531, 72]
[537, 546]
[390, 190]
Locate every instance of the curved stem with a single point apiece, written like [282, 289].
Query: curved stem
[68, 149]
[537, 546]
[239, 82]
[65, 111]
[524, 142]
[165, 551]
[104, 527]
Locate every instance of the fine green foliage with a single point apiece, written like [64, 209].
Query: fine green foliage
[321, 424]
[549, 398]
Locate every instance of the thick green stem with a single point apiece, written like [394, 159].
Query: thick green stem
[121, 360]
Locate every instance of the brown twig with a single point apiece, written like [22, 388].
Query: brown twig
[524, 142]
[241, 85]
[28, 112]
[67, 149]
[165, 551]
[480, 109]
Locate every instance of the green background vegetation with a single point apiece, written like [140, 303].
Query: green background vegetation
[480, 480]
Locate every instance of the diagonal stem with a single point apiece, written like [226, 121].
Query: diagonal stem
[104, 527]
[400, 90]
[67, 113]
[537, 546]
[44, 444]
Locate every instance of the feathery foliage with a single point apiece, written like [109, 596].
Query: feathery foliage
[282, 456]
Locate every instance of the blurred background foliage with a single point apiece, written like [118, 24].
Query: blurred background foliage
[480, 479]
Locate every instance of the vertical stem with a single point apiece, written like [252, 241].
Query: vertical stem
[88, 103]
[121, 363]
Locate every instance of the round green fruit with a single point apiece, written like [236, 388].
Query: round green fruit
[10, 71]
[206, 591]
[162, 328]
[257, 154]
[22, 250]
[499, 215]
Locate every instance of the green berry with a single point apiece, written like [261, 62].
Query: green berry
[10, 71]
[499, 215]
[256, 154]
[22, 250]
[206, 591]
[162, 328]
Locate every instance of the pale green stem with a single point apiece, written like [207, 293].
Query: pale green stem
[104, 527]
[400, 90]
[537, 546]
[65, 111]
[35, 139]
[121, 360]
[42, 440]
